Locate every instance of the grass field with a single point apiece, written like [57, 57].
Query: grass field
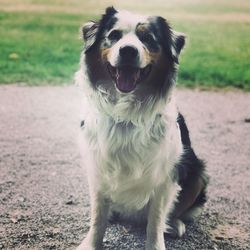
[39, 39]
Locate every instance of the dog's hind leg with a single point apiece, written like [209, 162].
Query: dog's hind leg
[188, 207]
[188, 197]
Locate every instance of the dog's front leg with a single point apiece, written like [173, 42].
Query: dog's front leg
[98, 222]
[159, 208]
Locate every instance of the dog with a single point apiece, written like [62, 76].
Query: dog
[136, 144]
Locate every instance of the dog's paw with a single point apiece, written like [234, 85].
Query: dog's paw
[156, 244]
[150, 246]
[176, 229]
[86, 245]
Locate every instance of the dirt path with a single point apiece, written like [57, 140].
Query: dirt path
[43, 192]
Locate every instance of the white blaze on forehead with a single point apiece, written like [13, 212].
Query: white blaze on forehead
[130, 39]
[128, 21]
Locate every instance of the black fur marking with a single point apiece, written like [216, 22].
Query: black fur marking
[179, 43]
[107, 21]
[184, 131]
[164, 32]
[115, 35]
[95, 69]
[200, 200]
[82, 123]
[147, 39]
[93, 35]
[190, 168]
[164, 37]
[89, 35]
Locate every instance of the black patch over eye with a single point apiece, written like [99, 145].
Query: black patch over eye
[115, 35]
[148, 38]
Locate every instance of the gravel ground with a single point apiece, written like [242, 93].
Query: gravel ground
[44, 201]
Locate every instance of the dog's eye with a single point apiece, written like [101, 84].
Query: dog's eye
[115, 35]
[148, 38]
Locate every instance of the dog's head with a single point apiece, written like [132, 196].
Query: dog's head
[132, 51]
[131, 63]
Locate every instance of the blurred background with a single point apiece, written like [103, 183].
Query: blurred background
[40, 42]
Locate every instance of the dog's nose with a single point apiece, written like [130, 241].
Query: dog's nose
[128, 52]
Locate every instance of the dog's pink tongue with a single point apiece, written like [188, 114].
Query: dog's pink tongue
[126, 78]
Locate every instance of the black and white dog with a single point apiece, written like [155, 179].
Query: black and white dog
[136, 147]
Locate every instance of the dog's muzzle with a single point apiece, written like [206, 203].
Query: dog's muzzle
[127, 74]
[127, 77]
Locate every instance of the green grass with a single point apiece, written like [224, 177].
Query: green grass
[217, 54]
[43, 48]
[39, 48]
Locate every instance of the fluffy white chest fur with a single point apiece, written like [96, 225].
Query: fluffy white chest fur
[128, 162]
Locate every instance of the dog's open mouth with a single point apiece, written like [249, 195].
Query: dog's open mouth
[127, 77]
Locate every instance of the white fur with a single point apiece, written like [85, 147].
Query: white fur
[128, 20]
[130, 150]
[131, 159]
[128, 23]
[129, 39]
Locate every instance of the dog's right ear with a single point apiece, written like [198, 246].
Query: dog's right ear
[91, 31]
[89, 34]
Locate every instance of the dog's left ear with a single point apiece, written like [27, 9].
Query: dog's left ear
[89, 34]
[172, 41]
[178, 40]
